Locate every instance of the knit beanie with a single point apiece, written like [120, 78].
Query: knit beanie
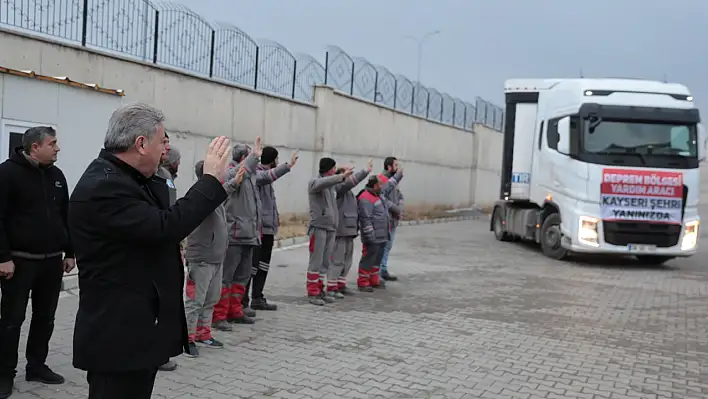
[326, 164]
[268, 155]
[239, 152]
[173, 156]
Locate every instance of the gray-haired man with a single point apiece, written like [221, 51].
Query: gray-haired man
[126, 237]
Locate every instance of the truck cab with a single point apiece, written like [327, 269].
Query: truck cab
[601, 166]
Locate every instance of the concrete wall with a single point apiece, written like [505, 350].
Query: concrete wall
[78, 115]
[440, 160]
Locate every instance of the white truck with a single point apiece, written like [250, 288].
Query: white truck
[607, 166]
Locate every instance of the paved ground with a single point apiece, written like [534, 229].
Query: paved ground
[471, 318]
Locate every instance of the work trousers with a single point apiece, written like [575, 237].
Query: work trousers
[237, 273]
[43, 278]
[261, 266]
[321, 252]
[371, 255]
[202, 293]
[121, 385]
[387, 250]
[341, 263]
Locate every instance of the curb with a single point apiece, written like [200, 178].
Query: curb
[71, 281]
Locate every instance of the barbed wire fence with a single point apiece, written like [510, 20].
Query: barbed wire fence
[170, 34]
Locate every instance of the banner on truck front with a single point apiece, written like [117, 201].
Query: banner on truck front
[638, 195]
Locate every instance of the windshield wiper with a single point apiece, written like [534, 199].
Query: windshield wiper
[620, 154]
[640, 155]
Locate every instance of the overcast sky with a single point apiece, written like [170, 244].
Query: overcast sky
[484, 42]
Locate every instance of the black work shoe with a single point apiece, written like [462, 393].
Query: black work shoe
[326, 298]
[222, 325]
[366, 289]
[262, 304]
[388, 276]
[44, 375]
[211, 343]
[6, 385]
[249, 312]
[382, 285]
[346, 291]
[242, 320]
[192, 350]
[169, 366]
[316, 300]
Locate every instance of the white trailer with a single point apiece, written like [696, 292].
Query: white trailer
[601, 166]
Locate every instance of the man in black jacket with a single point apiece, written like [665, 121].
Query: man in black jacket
[34, 253]
[126, 237]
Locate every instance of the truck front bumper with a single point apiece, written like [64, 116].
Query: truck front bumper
[578, 237]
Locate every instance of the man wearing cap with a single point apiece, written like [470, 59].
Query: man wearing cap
[268, 172]
[244, 231]
[322, 229]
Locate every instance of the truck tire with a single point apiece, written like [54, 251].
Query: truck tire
[498, 226]
[653, 260]
[551, 237]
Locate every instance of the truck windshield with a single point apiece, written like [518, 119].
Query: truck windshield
[620, 137]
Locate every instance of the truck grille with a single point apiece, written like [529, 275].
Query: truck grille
[623, 233]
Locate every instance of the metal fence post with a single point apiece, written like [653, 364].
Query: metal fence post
[84, 24]
[294, 77]
[255, 77]
[413, 94]
[155, 37]
[213, 54]
[376, 86]
[454, 105]
[395, 92]
[326, 66]
[351, 87]
[427, 105]
[464, 120]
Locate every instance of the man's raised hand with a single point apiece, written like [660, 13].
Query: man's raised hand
[257, 149]
[239, 175]
[217, 156]
[370, 165]
[294, 158]
[348, 171]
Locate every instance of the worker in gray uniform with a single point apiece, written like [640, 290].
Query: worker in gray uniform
[322, 227]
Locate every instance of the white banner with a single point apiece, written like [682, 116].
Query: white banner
[647, 196]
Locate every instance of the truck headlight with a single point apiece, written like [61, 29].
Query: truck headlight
[690, 236]
[587, 231]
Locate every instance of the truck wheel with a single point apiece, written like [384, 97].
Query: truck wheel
[498, 225]
[653, 260]
[551, 237]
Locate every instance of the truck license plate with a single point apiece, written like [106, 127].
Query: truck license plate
[641, 248]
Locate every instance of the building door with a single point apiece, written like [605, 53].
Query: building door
[11, 132]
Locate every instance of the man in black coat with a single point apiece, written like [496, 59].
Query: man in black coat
[35, 250]
[126, 238]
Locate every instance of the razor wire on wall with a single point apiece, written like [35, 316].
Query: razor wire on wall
[170, 34]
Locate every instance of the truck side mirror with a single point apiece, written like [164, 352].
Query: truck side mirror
[564, 136]
[702, 141]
